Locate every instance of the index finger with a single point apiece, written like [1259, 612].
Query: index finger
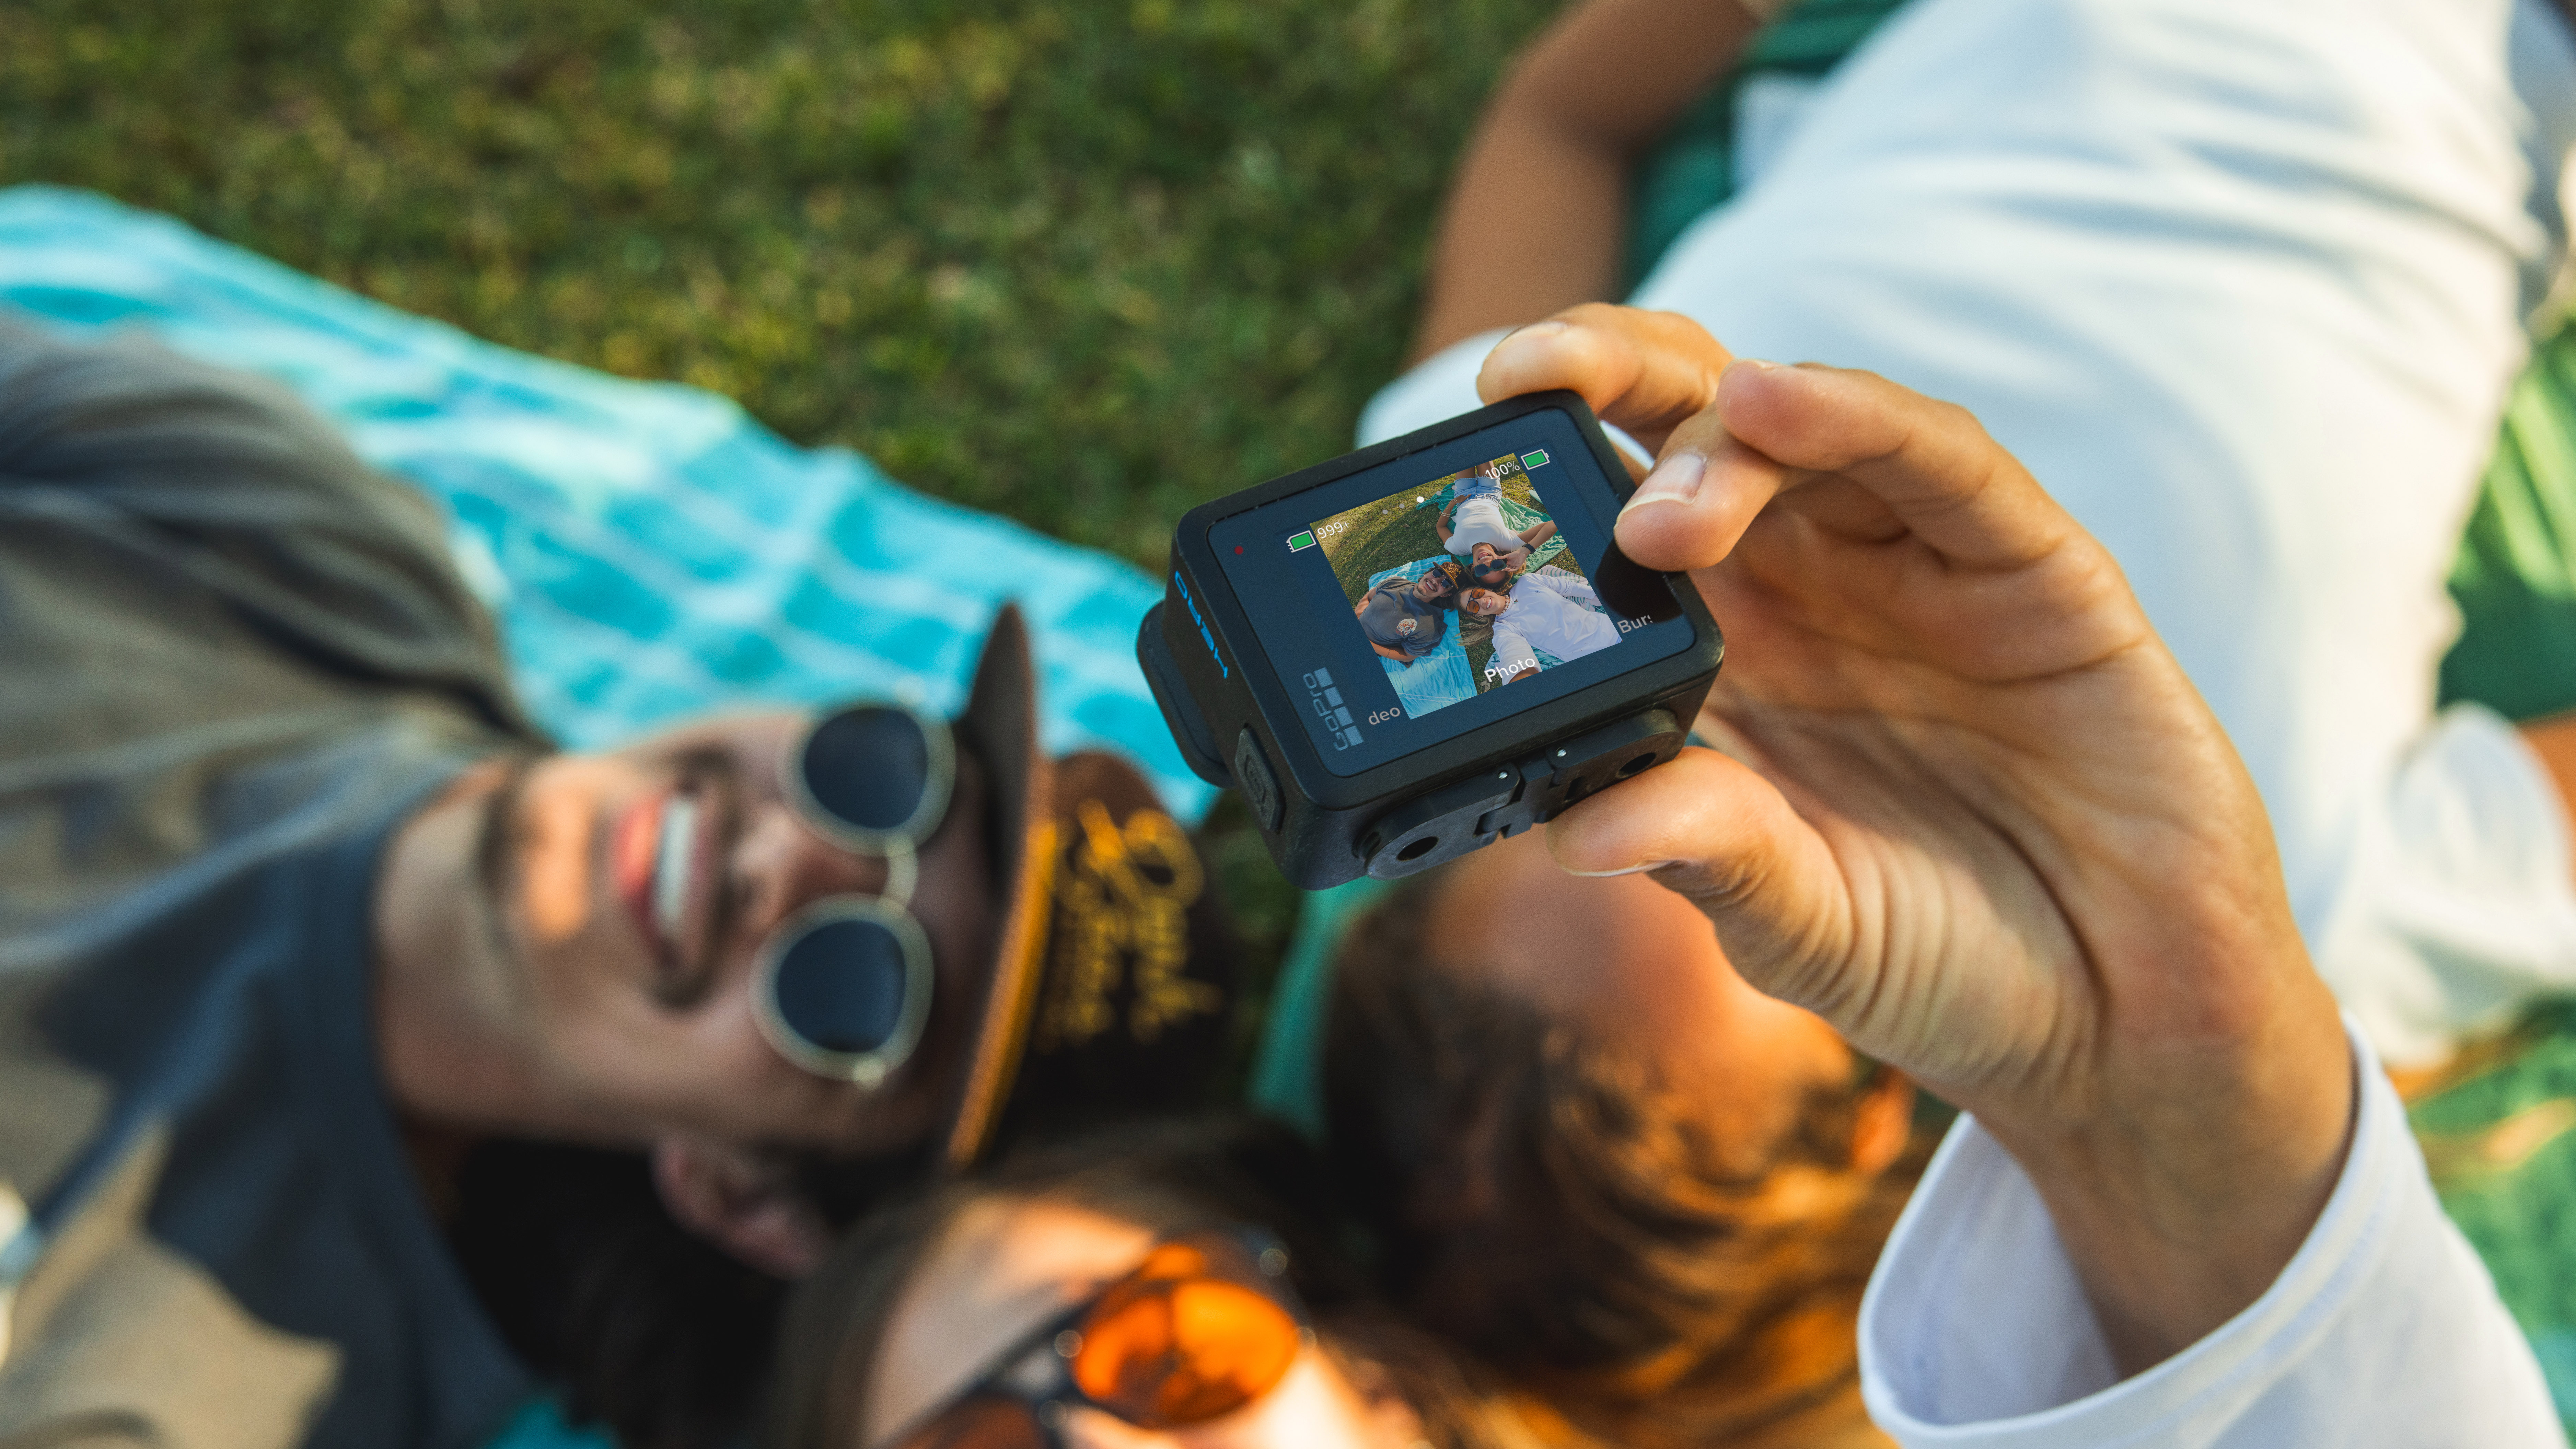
[1934, 466]
[1643, 372]
[1900, 464]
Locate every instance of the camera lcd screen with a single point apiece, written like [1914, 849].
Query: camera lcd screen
[1414, 601]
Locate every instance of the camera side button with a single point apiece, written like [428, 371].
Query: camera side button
[1566, 773]
[1252, 775]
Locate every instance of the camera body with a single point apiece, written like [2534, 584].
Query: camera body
[1414, 650]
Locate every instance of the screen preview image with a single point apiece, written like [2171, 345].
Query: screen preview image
[1462, 585]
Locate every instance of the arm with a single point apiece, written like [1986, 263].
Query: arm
[1441, 524]
[1970, 811]
[1536, 217]
[1564, 586]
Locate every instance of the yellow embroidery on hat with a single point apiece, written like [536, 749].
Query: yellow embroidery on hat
[1125, 902]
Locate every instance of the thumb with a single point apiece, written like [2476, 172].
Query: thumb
[1713, 830]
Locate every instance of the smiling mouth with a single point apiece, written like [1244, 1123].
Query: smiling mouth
[672, 858]
[663, 855]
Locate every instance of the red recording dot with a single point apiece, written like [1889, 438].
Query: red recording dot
[1238, 548]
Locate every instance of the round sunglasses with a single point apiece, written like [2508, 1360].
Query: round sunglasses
[1206, 1325]
[842, 987]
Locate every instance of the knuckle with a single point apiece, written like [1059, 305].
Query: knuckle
[1593, 314]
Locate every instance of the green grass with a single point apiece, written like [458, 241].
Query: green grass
[1085, 264]
[1389, 535]
[1381, 537]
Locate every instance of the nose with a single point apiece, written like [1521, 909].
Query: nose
[780, 866]
[1091, 1429]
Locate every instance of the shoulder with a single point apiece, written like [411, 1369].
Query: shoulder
[211, 510]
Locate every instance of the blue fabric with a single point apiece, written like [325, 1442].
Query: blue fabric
[540, 1425]
[1438, 678]
[650, 551]
[1288, 1067]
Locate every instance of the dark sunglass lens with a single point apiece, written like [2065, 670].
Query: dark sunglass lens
[841, 984]
[869, 766]
[980, 1423]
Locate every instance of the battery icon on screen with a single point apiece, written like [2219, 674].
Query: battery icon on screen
[1534, 460]
[1297, 541]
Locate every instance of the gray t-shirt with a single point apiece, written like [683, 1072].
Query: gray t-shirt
[1389, 606]
[232, 660]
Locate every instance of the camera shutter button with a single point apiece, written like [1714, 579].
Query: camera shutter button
[1252, 775]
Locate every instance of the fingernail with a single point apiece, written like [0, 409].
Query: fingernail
[1675, 480]
[1637, 869]
[1758, 365]
[1534, 329]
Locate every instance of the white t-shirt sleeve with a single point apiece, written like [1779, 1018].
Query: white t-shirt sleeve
[2461, 909]
[2384, 1330]
[1564, 586]
[1512, 652]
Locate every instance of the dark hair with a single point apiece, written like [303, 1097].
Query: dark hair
[642, 1325]
[1541, 1199]
[1161, 1176]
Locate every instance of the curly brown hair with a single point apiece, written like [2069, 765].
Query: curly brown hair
[1539, 1198]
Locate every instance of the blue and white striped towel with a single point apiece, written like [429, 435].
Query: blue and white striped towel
[650, 550]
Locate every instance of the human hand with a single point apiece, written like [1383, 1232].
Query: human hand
[1970, 811]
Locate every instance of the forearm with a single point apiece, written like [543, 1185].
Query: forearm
[2182, 1199]
[1493, 266]
[1538, 212]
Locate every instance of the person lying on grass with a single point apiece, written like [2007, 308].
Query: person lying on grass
[1968, 812]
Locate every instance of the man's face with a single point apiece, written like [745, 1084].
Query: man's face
[1433, 586]
[645, 1014]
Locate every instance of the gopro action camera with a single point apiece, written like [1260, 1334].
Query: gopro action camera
[1416, 649]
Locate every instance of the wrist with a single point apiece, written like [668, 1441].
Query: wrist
[2182, 1198]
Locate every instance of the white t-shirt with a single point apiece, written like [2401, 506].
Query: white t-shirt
[2383, 1330]
[1480, 520]
[1553, 611]
[2245, 285]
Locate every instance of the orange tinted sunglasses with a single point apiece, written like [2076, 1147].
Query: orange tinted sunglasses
[1204, 1326]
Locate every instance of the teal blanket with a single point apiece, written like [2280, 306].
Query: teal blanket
[651, 552]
